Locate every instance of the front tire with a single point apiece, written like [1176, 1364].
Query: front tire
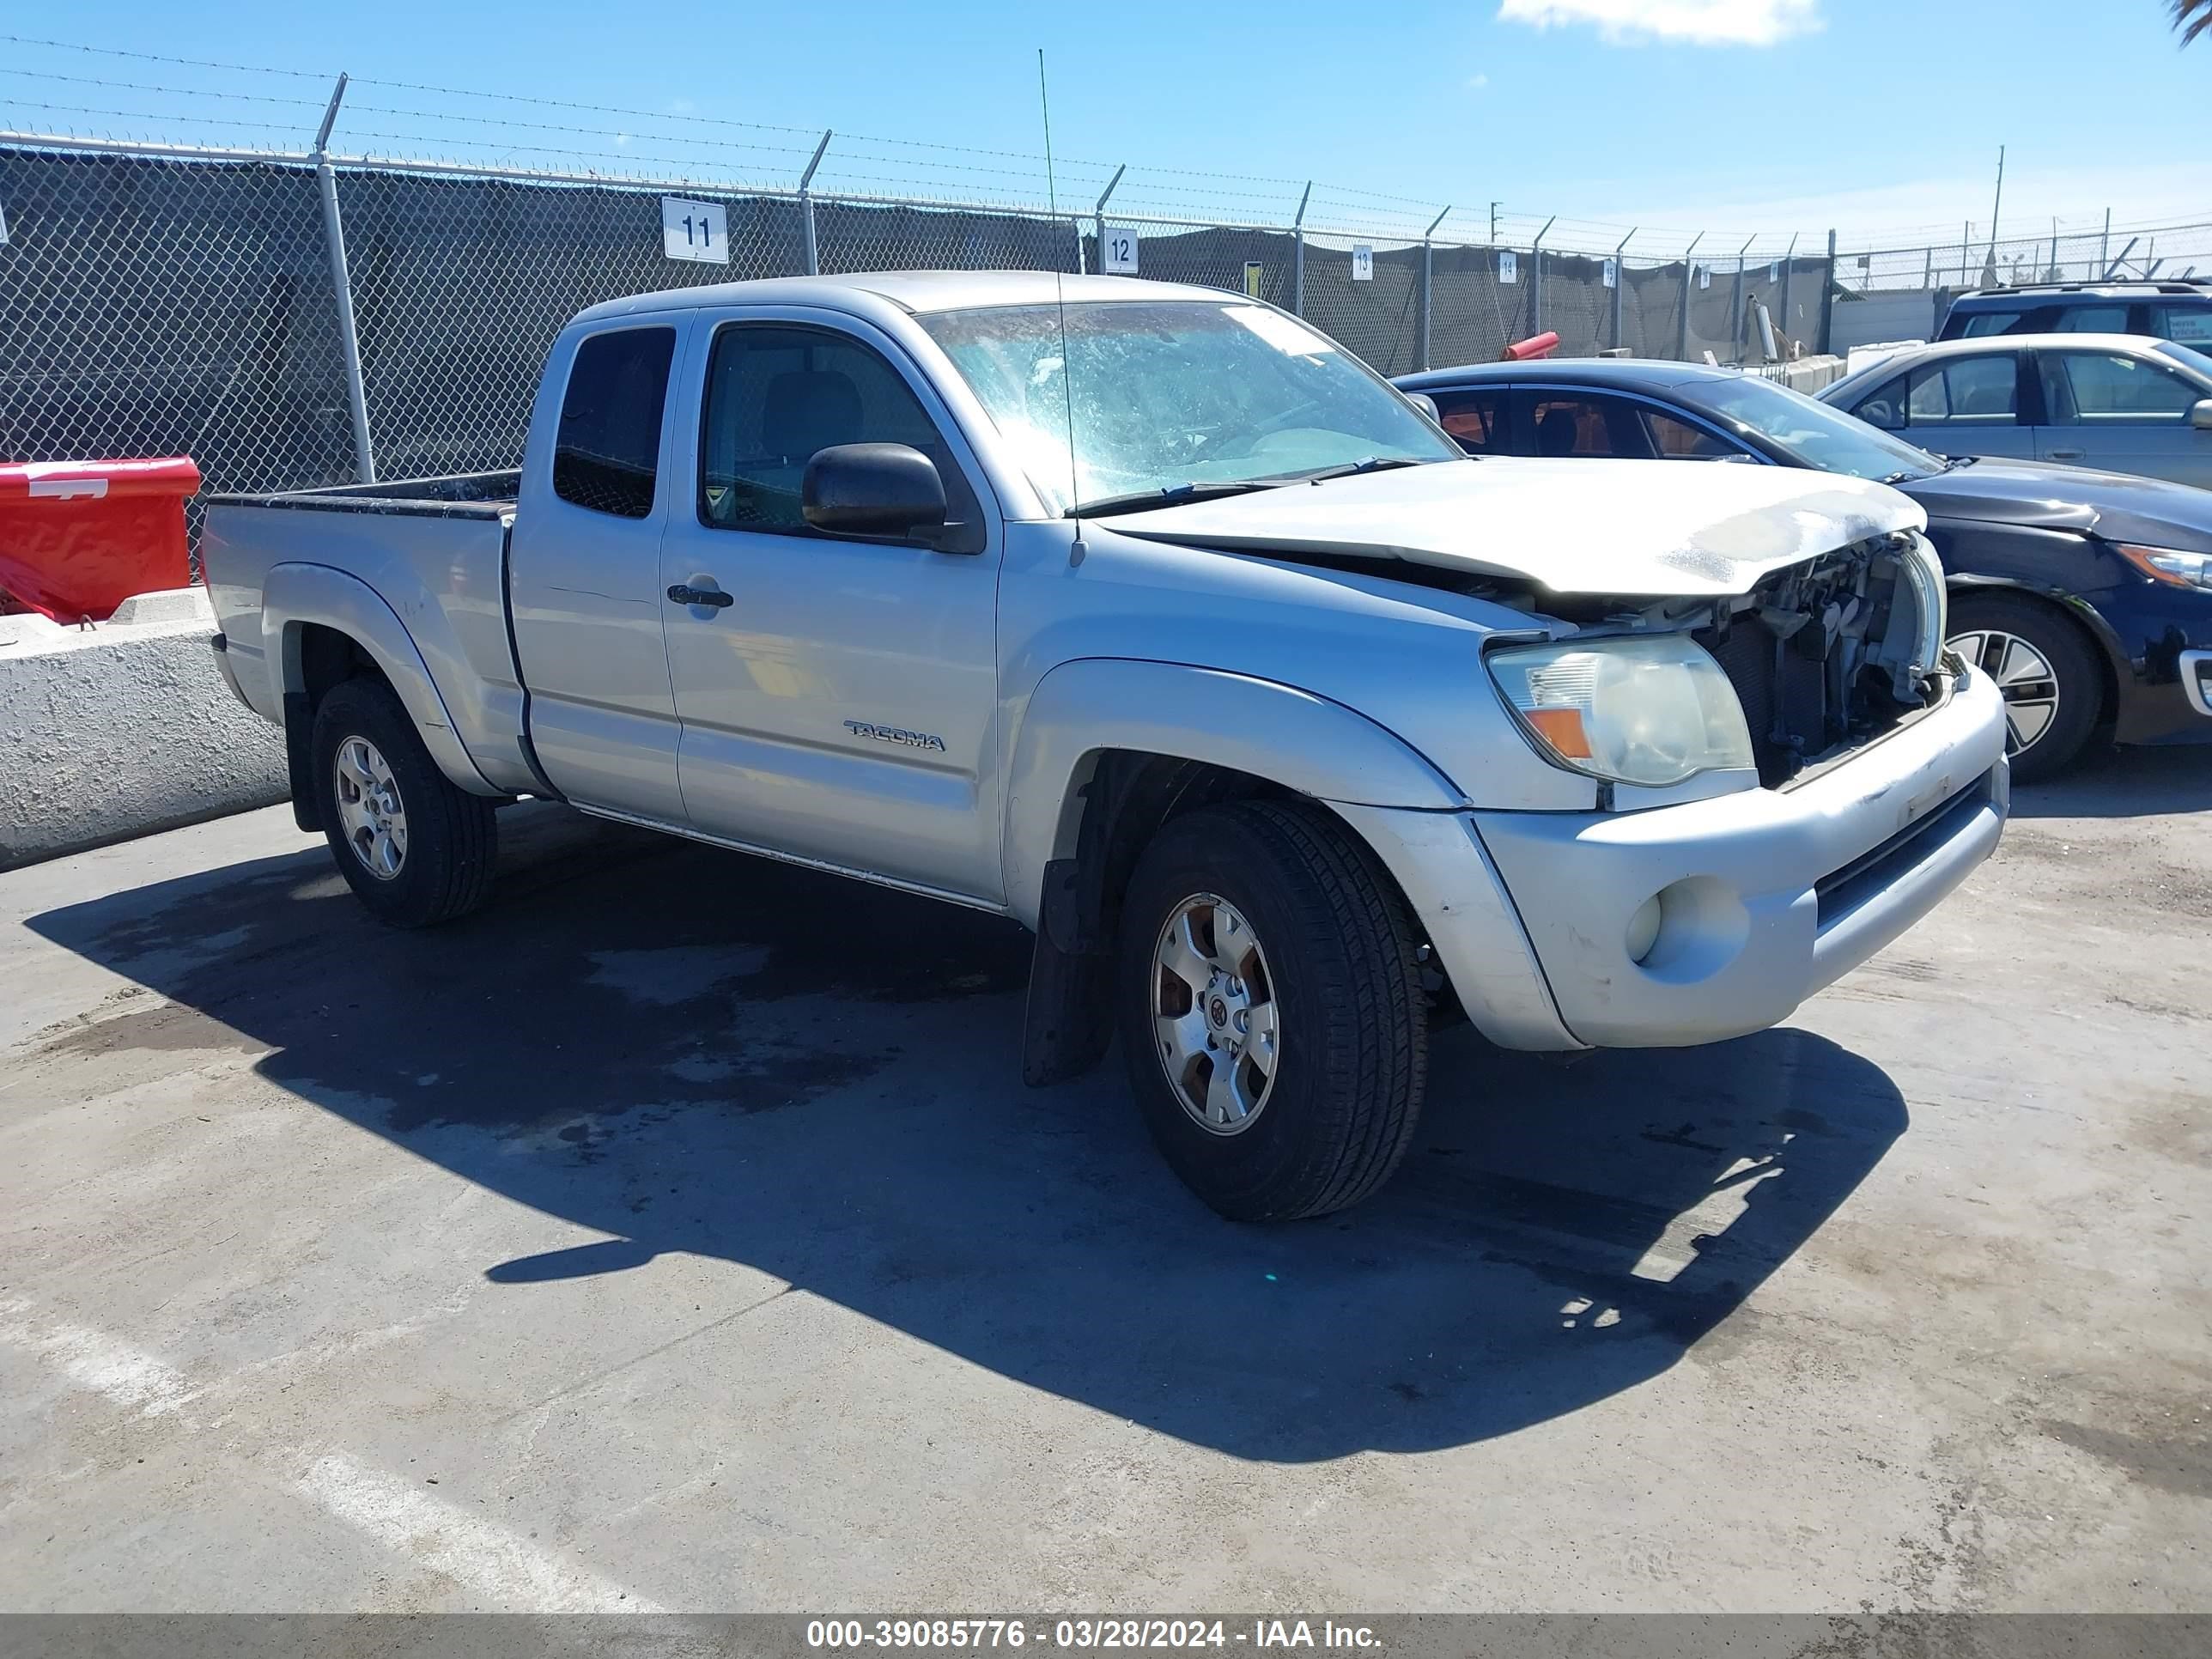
[1271, 1010]
[2044, 669]
[414, 849]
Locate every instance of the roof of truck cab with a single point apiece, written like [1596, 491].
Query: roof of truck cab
[913, 291]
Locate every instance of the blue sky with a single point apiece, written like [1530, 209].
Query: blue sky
[1736, 116]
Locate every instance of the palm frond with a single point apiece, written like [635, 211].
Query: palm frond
[2191, 18]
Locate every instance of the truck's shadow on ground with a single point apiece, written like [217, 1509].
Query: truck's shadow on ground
[695, 1051]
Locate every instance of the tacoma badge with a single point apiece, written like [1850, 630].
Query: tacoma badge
[895, 734]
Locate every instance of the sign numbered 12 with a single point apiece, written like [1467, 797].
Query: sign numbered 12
[694, 230]
[1117, 252]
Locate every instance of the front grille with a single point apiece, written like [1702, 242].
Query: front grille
[1841, 891]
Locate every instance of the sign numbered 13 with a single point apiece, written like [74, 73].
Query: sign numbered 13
[1117, 253]
[1363, 262]
[694, 230]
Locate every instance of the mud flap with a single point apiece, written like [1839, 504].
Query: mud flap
[1069, 1021]
[299, 765]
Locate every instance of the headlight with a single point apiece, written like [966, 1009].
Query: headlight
[1923, 573]
[2165, 564]
[1650, 710]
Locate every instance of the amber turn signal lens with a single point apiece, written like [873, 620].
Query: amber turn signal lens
[1562, 728]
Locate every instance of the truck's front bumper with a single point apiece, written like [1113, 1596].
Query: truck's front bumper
[1762, 897]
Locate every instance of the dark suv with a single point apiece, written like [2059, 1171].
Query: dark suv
[2179, 311]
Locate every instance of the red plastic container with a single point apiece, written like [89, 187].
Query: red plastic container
[1537, 345]
[79, 537]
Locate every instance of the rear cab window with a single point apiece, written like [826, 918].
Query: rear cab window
[606, 455]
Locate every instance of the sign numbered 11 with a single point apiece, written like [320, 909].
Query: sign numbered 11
[1363, 262]
[1117, 252]
[698, 231]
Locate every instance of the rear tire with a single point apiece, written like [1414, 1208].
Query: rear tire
[1295, 957]
[414, 849]
[2045, 667]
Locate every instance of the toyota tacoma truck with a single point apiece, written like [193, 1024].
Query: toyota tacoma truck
[1149, 617]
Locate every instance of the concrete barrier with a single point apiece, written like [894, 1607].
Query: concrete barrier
[122, 729]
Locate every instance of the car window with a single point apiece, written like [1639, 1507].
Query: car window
[2089, 388]
[1476, 419]
[1988, 322]
[1673, 440]
[607, 452]
[1884, 406]
[1581, 425]
[2092, 320]
[1964, 391]
[2189, 324]
[776, 395]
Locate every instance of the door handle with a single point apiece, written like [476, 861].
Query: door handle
[2068, 454]
[713, 596]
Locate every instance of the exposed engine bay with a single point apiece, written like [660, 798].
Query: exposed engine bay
[1824, 655]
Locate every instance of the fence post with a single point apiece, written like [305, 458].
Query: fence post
[1735, 302]
[1682, 322]
[1788, 269]
[1428, 284]
[1828, 301]
[1536, 276]
[1298, 254]
[1619, 282]
[1098, 213]
[806, 206]
[364, 454]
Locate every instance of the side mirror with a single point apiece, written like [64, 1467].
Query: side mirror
[888, 490]
[2199, 414]
[1426, 404]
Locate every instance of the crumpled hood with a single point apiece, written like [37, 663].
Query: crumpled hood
[1572, 526]
[2117, 506]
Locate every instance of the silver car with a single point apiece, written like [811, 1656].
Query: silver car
[2118, 402]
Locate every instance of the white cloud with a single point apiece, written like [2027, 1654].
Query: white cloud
[1477, 82]
[1696, 22]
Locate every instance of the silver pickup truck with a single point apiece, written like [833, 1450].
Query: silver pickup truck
[1146, 615]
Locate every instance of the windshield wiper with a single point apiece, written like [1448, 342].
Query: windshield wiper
[1952, 463]
[1171, 495]
[1353, 469]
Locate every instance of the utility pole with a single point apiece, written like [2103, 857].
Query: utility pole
[1493, 224]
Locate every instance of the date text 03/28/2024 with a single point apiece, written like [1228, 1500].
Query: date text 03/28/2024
[1262, 1634]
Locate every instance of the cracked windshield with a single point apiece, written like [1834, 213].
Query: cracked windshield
[1174, 399]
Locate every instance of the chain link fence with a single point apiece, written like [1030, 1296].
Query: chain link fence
[155, 300]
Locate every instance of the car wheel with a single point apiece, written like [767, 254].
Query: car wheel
[1271, 1010]
[414, 849]
[2043, 668]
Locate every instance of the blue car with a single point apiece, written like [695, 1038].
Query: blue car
[2086, 595]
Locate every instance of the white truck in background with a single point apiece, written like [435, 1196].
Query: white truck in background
[1146, 616]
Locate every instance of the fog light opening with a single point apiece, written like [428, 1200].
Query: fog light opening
[1644, 928]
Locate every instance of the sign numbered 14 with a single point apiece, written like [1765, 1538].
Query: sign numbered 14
[698, 231]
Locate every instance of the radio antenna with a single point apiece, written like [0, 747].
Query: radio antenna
[1060, 293]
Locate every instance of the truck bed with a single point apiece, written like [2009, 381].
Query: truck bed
[457, 496]
[418, 569]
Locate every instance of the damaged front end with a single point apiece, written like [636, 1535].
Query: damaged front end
[1829, 655]
[1814, 661]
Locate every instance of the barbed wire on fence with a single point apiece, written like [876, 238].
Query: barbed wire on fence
[166, 297]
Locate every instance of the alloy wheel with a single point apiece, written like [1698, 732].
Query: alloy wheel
[1214, 1014]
